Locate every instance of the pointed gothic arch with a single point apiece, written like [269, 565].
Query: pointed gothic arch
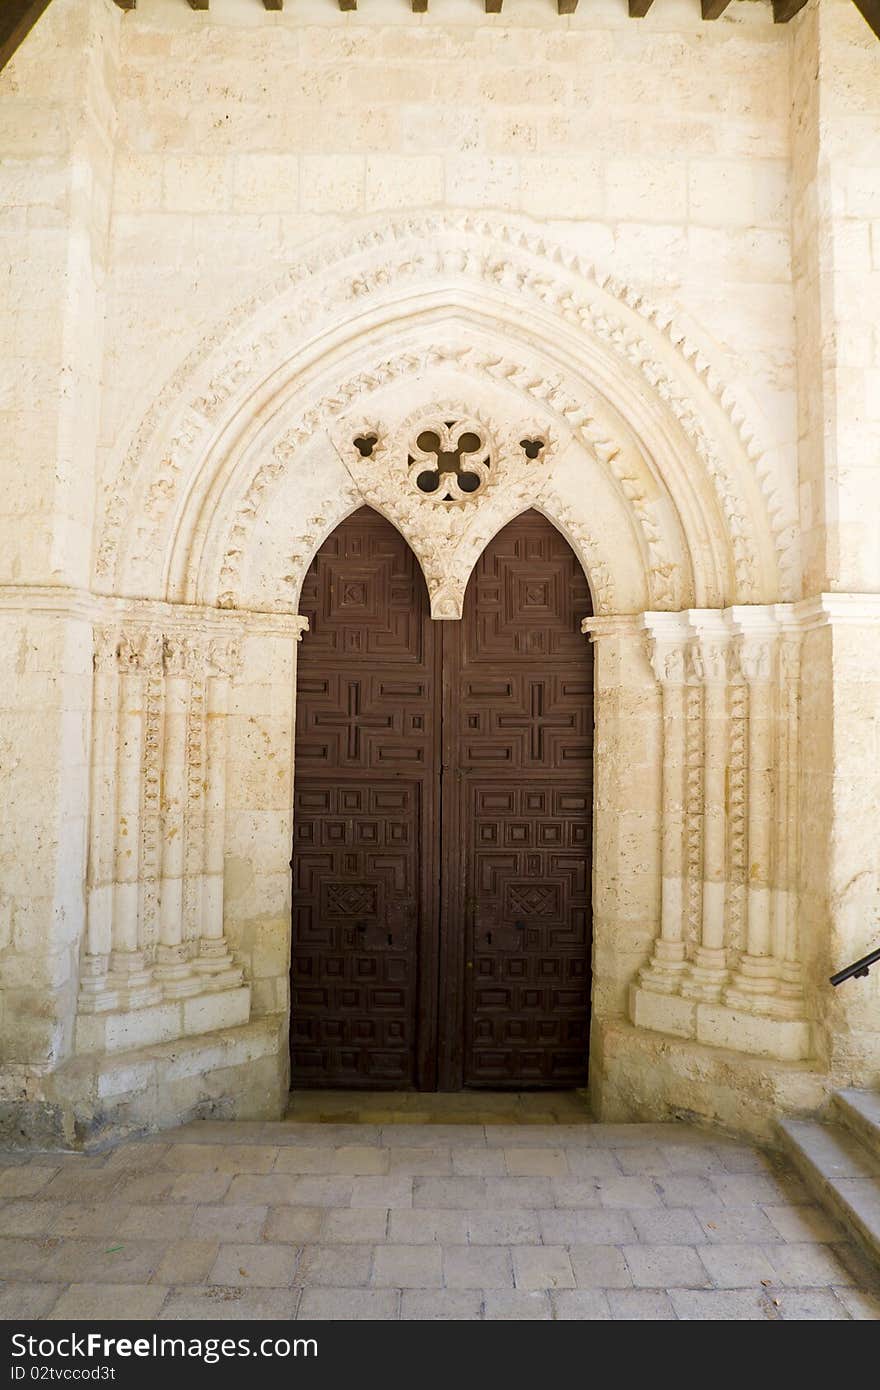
[655, 480]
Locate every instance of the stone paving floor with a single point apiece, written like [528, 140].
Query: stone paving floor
[411, 1220]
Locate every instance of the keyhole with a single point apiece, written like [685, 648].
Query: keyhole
[390, 941]
[488, 938]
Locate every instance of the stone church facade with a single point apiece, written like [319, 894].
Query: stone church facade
[267, 270]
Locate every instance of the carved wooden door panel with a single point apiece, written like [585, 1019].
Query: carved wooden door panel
[518, 755]
[366, 827]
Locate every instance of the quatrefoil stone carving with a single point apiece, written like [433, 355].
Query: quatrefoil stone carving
[449, 460]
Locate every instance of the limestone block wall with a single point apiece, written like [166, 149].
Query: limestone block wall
[835, 149]
[222, 177]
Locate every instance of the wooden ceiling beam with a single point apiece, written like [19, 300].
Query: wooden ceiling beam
[713, 9]
[127, 4]
[17, 19]
[784, 10]
[494, 6]
[199, 4]
[566, 6]
[870, 12]
[420, 6]
[279, 4]
[639, 8]
[348, 4]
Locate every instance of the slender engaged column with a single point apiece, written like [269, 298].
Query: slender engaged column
[214, 958]
[756, 976]
[790, 999]
[668, 635]
[708, 973]
[95, 992]
[128, 966]
[172, 954]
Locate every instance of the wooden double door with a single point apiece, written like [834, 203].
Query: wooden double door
[442, 819]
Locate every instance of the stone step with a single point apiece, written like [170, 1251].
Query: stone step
[859, 1111]
[842, 1172]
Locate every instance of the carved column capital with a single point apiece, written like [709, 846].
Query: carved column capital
[709, 659]
[756, 631]
[224, 658]
[709, 647]
[106, 641]
[754, 656]
[140, 649]
[666, 639]
[183, 655]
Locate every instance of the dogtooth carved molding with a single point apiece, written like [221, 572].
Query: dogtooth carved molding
[629, 349]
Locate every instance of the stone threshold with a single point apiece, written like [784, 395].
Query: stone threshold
[440, 1107]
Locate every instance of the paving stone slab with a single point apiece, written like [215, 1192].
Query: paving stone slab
[477, 1267]
[640, 1305]
[580, 1305]
[542, 1267]
[262, 1266]
[435, 1305]
[108, 1302]
[209, 1303]
[407, 1266]
[349, 1305]
[516, 1305]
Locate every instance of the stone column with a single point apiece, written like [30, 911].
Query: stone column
[95, 993]
[668, 634]
[756, 976]
[128, 966]
[708, 654]
[173, 953]
[789, 1000]
[214, 959]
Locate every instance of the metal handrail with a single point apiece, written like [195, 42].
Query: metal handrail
[858, 967]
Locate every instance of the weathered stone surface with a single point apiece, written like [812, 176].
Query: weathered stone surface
[683, 309]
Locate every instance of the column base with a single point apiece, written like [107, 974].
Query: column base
[754, 984]
[215, 963]
[787, 1040]
[95, 993]
[720, 1025]
[662, 1012]
[707, 976]
[664, 973]
[174, 972]
[122, 1029]
[132, 978]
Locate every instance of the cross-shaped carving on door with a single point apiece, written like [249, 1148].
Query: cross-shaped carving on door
[348, 723]
[537, 720]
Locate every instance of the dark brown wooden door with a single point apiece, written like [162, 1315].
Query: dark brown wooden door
[518, 752]
[366, 808]
[441, 868]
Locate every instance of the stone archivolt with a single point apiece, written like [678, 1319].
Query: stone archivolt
[729, 689]
[203, 459]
